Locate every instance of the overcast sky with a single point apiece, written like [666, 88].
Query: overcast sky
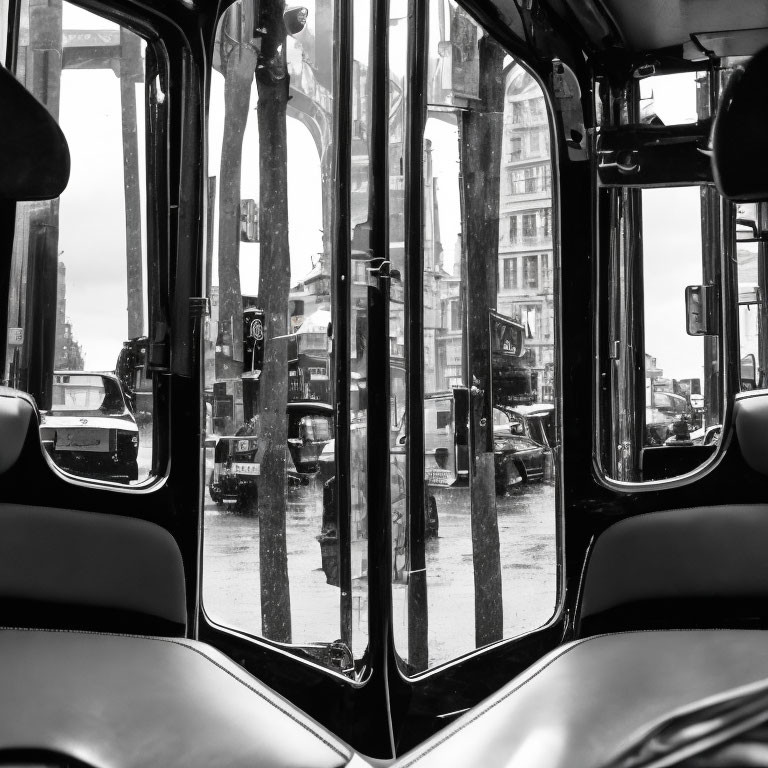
[92, 235]
[92, 212]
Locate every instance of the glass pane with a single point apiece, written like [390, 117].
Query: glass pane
[361, 214]
[674, 99]
[489, 354]
[80, 259]
[751, 287]
[681, 371]
[271, 560]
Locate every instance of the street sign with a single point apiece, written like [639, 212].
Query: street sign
[15, 337]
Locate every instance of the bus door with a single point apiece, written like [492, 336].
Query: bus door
[369, 202]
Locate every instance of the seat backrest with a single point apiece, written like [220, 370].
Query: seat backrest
[739, 160]
[34, 157]
[69, 569]
[686, 568]
[681, 568]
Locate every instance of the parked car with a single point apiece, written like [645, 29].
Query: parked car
[667, 409]
[702, 436]
[328, 537]
[236, 468]
[310, 430]
[538, 422]
[89, 429]
[518, 458]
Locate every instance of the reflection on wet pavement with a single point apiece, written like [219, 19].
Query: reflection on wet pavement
[528, 557]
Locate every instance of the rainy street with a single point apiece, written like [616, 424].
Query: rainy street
[528, 561]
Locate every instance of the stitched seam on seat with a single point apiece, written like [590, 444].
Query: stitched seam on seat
[489, 707]
[638, 515]
[261, 695]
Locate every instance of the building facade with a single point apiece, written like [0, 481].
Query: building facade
[525, 276]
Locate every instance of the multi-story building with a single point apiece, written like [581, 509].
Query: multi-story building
[525, 278]
[69, 353]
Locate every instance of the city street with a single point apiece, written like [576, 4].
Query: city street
[528, 558]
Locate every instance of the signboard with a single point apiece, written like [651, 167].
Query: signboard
[465, 57]
[15, 337]
[507, 335]
[249, 221]
[253, 342]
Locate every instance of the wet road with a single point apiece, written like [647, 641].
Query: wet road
[528, 557]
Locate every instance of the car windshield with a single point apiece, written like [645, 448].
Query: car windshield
[89, 394]
[508, 420]
[309, 427]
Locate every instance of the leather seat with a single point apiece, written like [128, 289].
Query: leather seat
[584, 703]
[62, 568]
[686, 568]
[679, 569]
[116, 701]
[120, 700]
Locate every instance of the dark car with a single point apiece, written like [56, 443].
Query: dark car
[236, 468]
[89, 429]
[310, 430]
[518, 458]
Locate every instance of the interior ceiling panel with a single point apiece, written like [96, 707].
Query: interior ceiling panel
[653, 24]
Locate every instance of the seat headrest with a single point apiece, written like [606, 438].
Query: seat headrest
[17, 410]
[34, 157]
[740, 134]
[750, 416]
[64, 568]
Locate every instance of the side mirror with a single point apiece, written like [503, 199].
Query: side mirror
[701, 303]
[295, 19]
[753, 236]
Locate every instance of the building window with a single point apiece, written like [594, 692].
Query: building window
[529, 317]
[454, 315]
[531, 274]
[529, 225]
[546, 178]
[513, 229]
[515, 148]
[510, 273]
[545, 276]
[534, 142]
[530, 180]
[545, 214]
[536, 178]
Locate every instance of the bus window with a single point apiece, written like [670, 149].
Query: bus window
[752, 304]
[79, 280]
[278, 560]
[664, 386]
[680, 368]
[485, 568]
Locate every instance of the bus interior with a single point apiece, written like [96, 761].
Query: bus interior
[439, 335]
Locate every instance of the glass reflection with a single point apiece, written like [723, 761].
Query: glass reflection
[489, 355]
[271, 547]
